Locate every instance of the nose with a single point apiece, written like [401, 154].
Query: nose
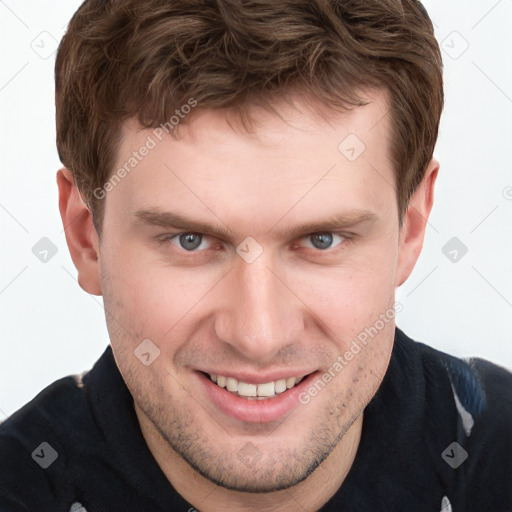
[259, 314]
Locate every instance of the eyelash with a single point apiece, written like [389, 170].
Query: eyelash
[347, 240]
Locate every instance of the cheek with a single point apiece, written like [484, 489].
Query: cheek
[153, 300]
[349, 298]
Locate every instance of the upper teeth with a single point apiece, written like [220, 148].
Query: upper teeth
[255, 390]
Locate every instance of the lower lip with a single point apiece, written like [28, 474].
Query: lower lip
[255, 411]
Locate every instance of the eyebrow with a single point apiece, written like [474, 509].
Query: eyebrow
[170, 219]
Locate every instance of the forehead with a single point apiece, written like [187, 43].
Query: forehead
[300, 153]
[289, 119]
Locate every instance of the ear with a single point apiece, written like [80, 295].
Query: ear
[412, 232]
[81, 234]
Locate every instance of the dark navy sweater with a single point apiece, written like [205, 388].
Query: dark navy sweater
[436, 437]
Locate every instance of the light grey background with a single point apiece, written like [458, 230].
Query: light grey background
[51, 328]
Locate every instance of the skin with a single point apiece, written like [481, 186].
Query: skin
[296, 306]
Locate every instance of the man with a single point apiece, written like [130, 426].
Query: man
[246, 185]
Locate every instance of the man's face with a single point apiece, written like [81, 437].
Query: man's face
[212, 303]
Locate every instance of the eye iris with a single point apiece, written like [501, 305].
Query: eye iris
[325, 240]
[320, 240]
[187, 241]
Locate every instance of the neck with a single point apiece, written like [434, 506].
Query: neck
[206, 496]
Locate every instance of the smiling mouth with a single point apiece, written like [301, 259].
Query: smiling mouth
[263, 391]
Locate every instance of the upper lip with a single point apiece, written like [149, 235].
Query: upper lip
[259, 378]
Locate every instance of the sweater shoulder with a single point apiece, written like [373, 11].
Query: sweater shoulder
[36, 446]
[61, 403]
[479, 386]
[477, 455]
[476, 382]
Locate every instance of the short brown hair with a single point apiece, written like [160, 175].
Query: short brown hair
[127, 58]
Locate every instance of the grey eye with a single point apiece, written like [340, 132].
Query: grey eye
[321, 240]
[190, 241]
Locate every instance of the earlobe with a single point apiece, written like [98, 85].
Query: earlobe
[413, 230]
[81, 235]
